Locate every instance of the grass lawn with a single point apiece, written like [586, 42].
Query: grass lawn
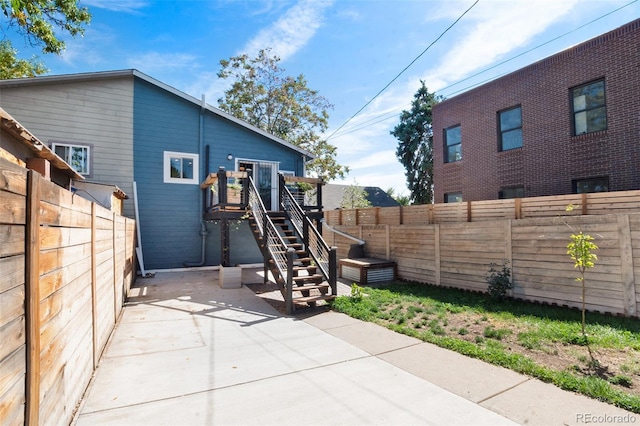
[538, 340]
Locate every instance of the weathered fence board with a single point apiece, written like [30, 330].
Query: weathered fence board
[67, 265]
[13, 349]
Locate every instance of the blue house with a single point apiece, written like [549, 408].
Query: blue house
[158, 145]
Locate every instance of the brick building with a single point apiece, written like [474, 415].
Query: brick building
[568, 123]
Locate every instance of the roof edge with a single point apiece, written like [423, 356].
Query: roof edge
[98, 75]
[35, 145]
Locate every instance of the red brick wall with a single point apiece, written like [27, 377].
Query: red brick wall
[550, 157]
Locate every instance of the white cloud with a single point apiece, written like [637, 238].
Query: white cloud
[500, 27]
[155, 61]
[377, 159]
[129, 6]
[292, 31]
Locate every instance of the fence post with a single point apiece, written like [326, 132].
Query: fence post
[584, 203]
[518, 208]
[626, 266]
[94, 292]
[32, 299]
[508, 250]
[387, 243]
[436, 240]
[114, 239]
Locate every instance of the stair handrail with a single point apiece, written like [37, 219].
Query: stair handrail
[281, 254]
[325, 225]
[324, 256]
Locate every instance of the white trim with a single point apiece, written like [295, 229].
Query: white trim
[166, 168]
[69, 161]
[275, 182]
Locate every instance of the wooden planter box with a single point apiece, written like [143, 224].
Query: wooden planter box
[367, 270]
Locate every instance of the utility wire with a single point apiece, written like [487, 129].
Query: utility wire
[401, 72]
[380, 118]
[530, 50]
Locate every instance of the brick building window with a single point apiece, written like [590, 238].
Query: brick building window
[595, 184]
[510, 124]
[453, 197]
[589, 109]
[452, 144]
[511, 192]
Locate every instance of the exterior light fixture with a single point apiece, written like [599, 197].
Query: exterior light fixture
[229, 157]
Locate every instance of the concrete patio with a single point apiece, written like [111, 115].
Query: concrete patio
[186, 352]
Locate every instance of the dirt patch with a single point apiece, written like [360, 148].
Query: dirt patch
[620, 367]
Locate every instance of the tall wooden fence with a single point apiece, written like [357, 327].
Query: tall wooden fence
[490, 210]
[458, 254]
[66, 265]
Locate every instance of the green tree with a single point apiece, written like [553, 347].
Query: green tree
[581, 249]
[37, 21]
[415, 146]
[355, 197]
[402, 199]
[282, 105]
[13, 67]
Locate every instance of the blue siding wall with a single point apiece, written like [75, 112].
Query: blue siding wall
[226, 137]
[170, 214]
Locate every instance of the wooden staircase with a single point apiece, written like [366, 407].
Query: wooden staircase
[303, 267]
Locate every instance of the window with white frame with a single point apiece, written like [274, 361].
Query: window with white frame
[77, 156]
[181, 167]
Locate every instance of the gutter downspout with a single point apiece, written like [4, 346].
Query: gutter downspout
[203, 226]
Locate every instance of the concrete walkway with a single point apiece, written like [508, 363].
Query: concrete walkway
[187, 352]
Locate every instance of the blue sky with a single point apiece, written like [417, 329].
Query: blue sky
[348, 50]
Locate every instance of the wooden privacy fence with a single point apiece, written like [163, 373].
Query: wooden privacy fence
[458, 255]
[480, 211]
[66, 265]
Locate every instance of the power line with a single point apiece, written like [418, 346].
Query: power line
[401, 72]
[530, 50]
[379, 118]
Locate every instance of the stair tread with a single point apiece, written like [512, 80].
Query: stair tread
[304, 268]
[320, 286]
[317, 298]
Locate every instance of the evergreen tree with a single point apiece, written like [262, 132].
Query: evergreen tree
[415, 146]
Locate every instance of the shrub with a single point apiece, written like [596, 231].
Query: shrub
[499, 280]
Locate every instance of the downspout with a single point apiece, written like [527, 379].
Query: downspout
[203, 226]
